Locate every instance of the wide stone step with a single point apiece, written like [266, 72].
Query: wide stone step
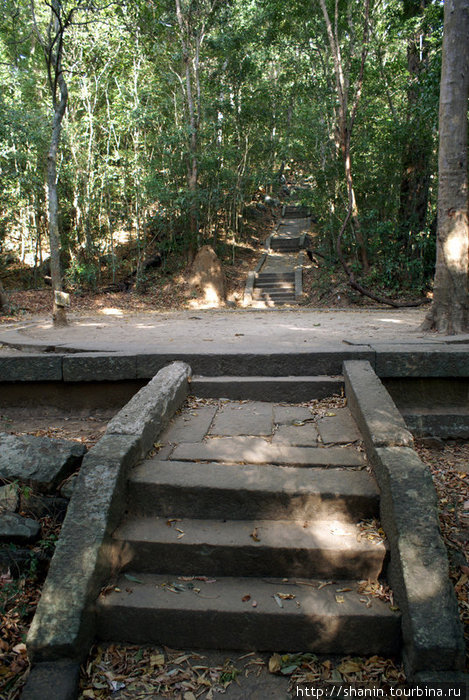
[273, 295]
[275, 277]
[293, 389]
[242, 613]
[276, 285]
[322, 549]
[248, 491]
[252, 450]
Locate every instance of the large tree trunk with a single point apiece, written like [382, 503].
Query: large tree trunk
[449, 312]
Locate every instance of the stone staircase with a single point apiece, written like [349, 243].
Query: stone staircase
[245, 531]
[278, 277]
[275, 287]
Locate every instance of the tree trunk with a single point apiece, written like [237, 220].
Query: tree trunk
[346, 115]
[58, 312]
[416, 159]
[3, 298]
[449, 312]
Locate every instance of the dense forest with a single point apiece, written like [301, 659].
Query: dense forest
[162, 125]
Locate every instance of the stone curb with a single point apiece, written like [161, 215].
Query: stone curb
[249, 288]
[418, 569]
[299, 274]
[63, 626]
[374, 410]
[78, 365]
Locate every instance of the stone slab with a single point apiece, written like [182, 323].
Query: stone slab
[189, 426]
[90, 366]
[299, 435]
[246, 418]
[327, 549]
[287, 415]
[319, 623]
[16, 529]
[340, 428]
[427, 393]
[256, 388]
[246, 491]
[64, 623]
[38, 461]
[374, 411]
[325, 361]
[426, 361]
[31, 368]
[448, 425]
[149, 411]
[251, 450]
[54, 680]
[418, 569]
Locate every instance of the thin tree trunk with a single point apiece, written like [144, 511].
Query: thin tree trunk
[3, 298]
[346, 117]
[449, 312]
[58, 312]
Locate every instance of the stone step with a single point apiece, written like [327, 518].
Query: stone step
[273, 295]
[452, 423]
[266, 301]
[285, 389]
[275, 276]
[285, 243]
[277, 291]
[329, 549]
[242, 613]
[248, 491]
[253, 450]
[287, 285]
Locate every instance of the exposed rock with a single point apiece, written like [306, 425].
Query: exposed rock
[68, 486]
[14, 528]
[208, 276]
[38, 461]
[9, 498]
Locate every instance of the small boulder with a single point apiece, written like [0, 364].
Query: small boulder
[38, 461]
[18, 530]
[207, 275]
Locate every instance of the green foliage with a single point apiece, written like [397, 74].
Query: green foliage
[267, 103]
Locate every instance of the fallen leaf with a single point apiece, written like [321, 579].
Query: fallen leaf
[157, 659]
[255, 536]
[340, 599]
[275, 663]
[349, 666]
[286, 596]
[245, 598]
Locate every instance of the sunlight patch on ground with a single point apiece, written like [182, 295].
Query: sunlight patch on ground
[391, 320]
[112, 312]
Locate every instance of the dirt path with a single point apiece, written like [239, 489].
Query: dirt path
[211, 331]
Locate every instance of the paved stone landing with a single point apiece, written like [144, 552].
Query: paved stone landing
[256, 432]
